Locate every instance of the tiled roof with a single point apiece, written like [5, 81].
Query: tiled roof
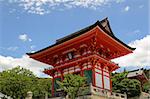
[104, 25]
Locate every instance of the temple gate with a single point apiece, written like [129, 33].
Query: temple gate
[87, 52]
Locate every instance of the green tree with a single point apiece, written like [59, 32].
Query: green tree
[116, 79]
[121, 84]
[146, 87]
[16, 82]
[72, 84]
[130, 86]
[42, 87]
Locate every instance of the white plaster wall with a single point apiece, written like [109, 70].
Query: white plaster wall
[98, 78]
[106, 82]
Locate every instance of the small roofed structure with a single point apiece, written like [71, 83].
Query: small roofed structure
[139, 75]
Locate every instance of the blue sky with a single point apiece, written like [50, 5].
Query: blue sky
[29, 25]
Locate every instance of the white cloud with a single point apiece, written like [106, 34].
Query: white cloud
[25, 62]
[119, 1]
[127, 8]
[139, 57]
[46, 6]
[30, 39]
[32, 47]
[12, 48]
[24, 37]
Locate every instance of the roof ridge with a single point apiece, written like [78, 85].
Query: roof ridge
[98, 22]
[84, 30]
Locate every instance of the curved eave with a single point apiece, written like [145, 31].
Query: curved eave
[124, 44]
[42, 49]
[114, 37]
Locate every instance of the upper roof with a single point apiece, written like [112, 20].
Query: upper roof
[103, 24]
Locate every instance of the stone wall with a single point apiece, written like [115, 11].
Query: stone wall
[143, 95]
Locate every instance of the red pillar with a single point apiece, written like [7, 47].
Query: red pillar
[93, 75]
[81, 72]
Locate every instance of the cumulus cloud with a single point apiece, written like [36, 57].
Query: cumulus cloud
[46, 6]
[140, 57]
[127, 8]
[24, 37]
[25, 62]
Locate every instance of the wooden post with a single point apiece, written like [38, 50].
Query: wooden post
[93, 72]
[103, 78]
[93, 75]
[81, 69]
[82, 73]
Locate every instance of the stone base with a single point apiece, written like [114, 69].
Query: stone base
[91, 97]
[97, 93]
